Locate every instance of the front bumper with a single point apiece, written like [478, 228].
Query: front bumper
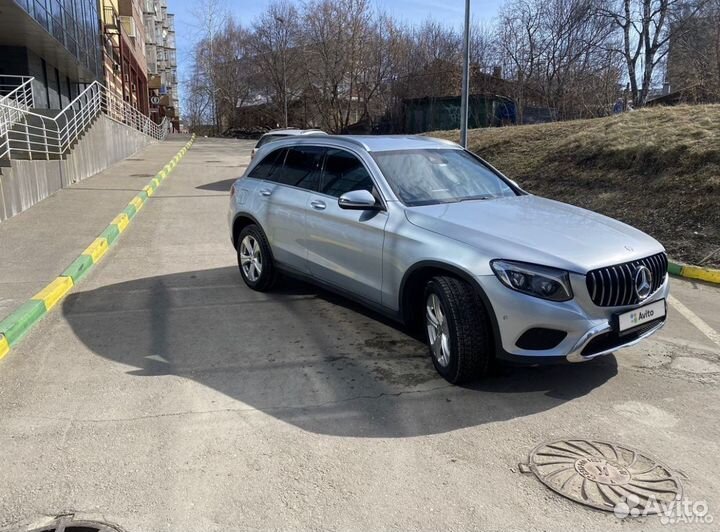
[590, 330]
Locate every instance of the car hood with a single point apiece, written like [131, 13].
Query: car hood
[533, 229]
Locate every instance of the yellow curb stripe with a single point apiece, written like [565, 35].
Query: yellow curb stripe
[96, 250]
[149, 190]
[54, 292]
[122, 221]
[703, 274]
[4, 346]
[137, 203]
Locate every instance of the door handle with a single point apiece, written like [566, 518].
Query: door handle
[318, 204]
[265, 191]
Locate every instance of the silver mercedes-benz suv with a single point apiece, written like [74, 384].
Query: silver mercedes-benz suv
[426, 232]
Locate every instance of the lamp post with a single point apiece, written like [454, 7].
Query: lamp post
[465, 95]
[281, 21]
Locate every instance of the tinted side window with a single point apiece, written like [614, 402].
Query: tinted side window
[265, 168]
[344, 172]
[302, 167]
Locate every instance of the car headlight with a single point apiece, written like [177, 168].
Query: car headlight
[539, 281]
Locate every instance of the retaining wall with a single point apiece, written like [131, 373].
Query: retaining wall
[25, 183]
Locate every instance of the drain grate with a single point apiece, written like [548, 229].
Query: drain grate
[67, 523]
[604, 475]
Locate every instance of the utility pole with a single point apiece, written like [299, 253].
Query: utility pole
[465, 95]
[284, 69]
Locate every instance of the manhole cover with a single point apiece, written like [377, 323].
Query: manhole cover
[603, 475]
[68, 524]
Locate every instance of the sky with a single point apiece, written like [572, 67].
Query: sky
[450, 12]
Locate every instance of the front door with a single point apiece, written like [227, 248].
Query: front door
[344, 247]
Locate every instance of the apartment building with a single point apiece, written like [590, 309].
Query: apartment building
[160, 53]
[56, 42]
[124, 51]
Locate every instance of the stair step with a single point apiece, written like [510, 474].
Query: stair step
[35, 156]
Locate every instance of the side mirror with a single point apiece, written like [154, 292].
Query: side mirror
[358, 200]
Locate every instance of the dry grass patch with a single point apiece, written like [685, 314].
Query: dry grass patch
[657, 169]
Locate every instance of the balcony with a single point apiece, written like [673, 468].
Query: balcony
[111, 19]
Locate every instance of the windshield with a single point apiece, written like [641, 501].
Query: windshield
[425, 177]
[269, 138]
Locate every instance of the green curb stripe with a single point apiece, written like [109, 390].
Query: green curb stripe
[111, 233]
[674, 268]
[78, 268]
[142, 195]
[17, 324]
[130, 210]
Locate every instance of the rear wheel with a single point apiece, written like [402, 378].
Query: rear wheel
[254, 259]
[457, 329]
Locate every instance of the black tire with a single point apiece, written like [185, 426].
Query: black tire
[268, 273]
[468, 330]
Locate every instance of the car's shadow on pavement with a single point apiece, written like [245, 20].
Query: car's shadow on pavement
[305, 356]
[218, 186]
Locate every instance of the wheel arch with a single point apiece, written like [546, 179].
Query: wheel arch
[242, 220]
[412, 289]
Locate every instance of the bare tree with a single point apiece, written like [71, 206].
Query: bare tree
[336, 43]
[275, 43]
[647, 26]
[693, 64]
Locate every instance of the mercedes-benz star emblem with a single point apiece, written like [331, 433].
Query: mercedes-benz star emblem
[643, 282]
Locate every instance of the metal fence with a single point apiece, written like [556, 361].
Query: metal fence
[30, 135]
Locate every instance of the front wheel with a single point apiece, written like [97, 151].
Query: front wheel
[254, 259]
[458, 331]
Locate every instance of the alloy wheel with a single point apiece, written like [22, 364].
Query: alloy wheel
[437, 329]
[250, 258]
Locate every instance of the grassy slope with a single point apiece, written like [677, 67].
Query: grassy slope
[657, 169]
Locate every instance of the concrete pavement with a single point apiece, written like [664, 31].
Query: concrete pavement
[39, 243]
[165, 395]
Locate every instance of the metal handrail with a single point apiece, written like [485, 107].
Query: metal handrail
[40, 136]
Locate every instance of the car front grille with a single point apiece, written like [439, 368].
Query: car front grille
[614, 286]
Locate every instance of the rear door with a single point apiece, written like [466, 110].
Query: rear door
[345, 247]
[286, 193]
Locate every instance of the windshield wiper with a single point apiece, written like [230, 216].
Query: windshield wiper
[472, 198]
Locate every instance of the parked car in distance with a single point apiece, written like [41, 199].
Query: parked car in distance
[430, 234]
[277, 134]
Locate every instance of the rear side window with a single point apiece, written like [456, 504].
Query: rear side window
[265, 168]
[344, 172]
[301, 168]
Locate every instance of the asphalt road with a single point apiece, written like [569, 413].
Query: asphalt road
[165, 395]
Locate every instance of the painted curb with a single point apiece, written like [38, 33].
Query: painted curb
[15, 326]
[709, 275]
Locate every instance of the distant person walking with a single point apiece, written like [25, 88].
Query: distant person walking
[619, 106]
